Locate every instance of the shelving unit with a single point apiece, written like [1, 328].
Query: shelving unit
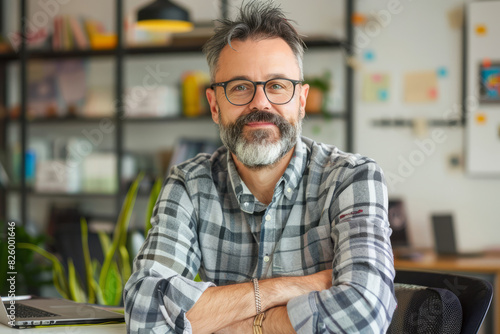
[24, 55]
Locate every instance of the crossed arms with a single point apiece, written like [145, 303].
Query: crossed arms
[232, 307]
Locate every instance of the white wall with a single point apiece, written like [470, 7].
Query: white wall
[420, 38]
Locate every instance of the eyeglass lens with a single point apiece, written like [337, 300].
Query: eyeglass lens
[278, 91]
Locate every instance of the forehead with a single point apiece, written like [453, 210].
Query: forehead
[257, 60]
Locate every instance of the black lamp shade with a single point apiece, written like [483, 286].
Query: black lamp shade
[164, 14]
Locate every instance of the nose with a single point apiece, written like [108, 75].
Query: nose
[260, 101]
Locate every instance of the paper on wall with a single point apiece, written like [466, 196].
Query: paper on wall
[376, 87]
[456, 18]
[420, 87]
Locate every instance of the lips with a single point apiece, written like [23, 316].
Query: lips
[254, 124]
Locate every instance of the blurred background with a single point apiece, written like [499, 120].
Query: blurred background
[87, 106]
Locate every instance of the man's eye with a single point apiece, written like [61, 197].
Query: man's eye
[276, 86]
[240, 88]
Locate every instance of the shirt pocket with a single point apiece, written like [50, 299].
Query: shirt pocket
[305, 254]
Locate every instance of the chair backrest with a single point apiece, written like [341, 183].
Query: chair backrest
[461, 302]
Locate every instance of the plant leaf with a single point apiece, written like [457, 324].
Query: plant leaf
[153, 197]
[86, 259]
[120, 233]
[58, 272]
[125, 265]
[112, 289]
[105, 241]
[77, 293]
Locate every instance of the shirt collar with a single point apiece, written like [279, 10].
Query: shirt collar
[287, 184]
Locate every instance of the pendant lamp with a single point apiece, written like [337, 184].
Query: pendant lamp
[164, 15]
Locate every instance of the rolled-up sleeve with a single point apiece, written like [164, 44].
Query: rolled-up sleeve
[161, 290]
[362, 298]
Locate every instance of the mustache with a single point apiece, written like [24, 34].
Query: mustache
[260, 116]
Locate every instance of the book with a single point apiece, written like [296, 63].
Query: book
[79, 35]
[43, 100]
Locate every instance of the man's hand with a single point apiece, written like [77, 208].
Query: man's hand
[235, 304]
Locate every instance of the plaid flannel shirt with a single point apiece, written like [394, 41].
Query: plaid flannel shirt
[329, 210]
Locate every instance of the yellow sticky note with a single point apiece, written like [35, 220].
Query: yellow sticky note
[481, 29]
[420, 87]
[481, 118]
[376, 87]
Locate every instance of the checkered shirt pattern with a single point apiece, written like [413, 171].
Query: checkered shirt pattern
[329, 210]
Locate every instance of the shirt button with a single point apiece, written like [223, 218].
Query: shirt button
[289, 190]
[268, 217]
[266, 258]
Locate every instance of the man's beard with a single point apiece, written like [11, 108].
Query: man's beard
[258, 148]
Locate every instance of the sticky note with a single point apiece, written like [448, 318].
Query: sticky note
[369, 55]
[433, 93]
[376, 77]
[376, 87]
[358, 19]
[481, 118]
[481, 30]
[420, 87]
[382, 94]
[442, 72]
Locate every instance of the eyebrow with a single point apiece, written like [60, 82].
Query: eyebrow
[267, 77]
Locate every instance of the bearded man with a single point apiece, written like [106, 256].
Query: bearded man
[287, 234]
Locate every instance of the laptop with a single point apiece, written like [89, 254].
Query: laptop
[29, 311]
[444, 236]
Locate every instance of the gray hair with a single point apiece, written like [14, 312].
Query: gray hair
[257, 20]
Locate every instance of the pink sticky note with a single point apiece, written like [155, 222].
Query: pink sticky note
[376, 77]
[433, 93]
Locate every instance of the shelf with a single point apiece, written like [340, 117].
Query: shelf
[66, 120]
[90, 120]
[170, 119]
[34, 193]
[145, 120]
[143, 50]
[72, 195]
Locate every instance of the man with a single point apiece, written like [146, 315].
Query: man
[288, 235]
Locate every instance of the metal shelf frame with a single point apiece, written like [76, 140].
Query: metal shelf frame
[119, 53]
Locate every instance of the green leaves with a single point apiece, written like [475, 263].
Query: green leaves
[116, 258]
[104, 283]
[153, 196]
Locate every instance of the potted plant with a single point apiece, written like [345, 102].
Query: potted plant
[104, 283]
[319, 86]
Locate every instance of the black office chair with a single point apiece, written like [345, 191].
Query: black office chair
[439, 303]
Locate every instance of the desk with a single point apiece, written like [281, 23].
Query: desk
[93, 329]
[482, 264]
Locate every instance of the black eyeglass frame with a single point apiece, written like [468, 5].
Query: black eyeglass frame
[255, 83]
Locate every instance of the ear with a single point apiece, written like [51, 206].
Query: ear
[302, 99]
[212, 101]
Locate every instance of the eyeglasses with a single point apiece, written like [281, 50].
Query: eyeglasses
[240, 92]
